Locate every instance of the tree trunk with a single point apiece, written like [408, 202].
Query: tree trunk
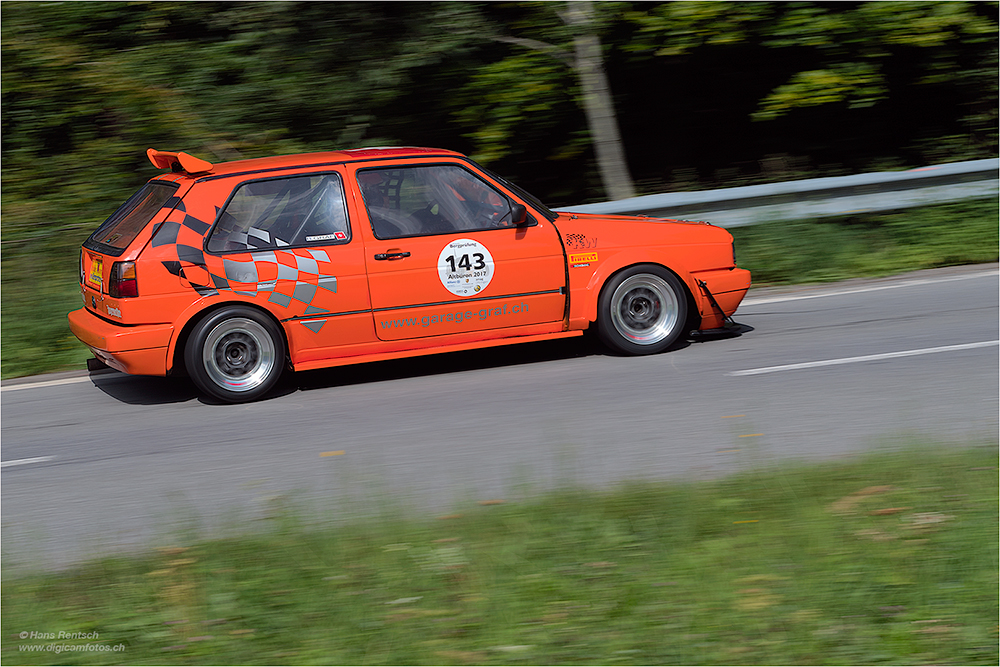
[597, 103]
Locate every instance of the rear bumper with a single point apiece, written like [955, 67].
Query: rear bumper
[137, 350]
[728, 286]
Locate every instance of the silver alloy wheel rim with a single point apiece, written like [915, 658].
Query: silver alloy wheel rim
[238, 354]
[644, 309]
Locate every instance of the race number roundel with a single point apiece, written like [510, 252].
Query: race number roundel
[465, 267]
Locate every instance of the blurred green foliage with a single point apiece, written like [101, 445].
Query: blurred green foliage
[885, 559]
[707, 95]
[833, 87]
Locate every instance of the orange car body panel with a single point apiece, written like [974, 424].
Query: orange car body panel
[137, 350]
[345, 303]
[598, 246]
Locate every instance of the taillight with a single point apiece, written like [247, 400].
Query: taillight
[81, 266]
[122, 282]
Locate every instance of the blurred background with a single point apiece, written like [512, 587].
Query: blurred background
[576, 102]
[887, 559]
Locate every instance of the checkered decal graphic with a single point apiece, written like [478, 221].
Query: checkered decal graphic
[283, 276]
[291, 279]
[580, 241]
[255, 238]
[186, 234]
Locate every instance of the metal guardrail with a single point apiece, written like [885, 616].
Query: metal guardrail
[817, 197]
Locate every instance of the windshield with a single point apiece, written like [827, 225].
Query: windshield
[117, 232]
[521, 192]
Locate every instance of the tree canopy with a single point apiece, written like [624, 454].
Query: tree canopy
[705, 93]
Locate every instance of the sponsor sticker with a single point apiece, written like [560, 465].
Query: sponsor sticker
[583, 257]
[336, 236]
[465, 267]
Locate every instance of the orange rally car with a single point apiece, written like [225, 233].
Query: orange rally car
[233, 272]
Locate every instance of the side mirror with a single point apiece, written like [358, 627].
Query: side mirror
[518, 214]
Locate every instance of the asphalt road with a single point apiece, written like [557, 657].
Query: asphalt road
[95, 464]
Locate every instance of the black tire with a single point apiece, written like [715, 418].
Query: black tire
[235, 354]
[642, 310]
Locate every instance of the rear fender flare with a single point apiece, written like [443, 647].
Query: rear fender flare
[187, 320]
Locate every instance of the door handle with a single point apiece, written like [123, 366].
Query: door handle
[391, 255]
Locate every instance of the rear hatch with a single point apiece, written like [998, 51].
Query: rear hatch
[101, 272]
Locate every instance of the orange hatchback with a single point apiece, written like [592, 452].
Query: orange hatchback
[234, 272]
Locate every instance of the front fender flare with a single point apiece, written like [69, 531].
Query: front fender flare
[622, 259]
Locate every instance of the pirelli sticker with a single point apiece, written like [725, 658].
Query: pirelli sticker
[582, 258]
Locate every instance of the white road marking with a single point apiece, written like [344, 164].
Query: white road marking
[869, 357]
[103, 377]
[21, 462]
[755, 301]
[46, 383]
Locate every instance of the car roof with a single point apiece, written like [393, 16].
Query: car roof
[305, 159]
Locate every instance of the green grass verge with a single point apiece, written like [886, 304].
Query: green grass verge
[871, 244]
[40, 282]
[886, 559]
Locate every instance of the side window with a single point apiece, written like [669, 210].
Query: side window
[279, 212]
[417, 201]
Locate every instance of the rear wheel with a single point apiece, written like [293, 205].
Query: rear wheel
[642, 310]
[235, 354]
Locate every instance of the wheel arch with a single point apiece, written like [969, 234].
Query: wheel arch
[623, 261]
[191, 318]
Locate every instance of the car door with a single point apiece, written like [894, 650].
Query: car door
[287, 243]
[444, 257]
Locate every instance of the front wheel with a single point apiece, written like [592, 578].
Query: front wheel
[235, 354]
[642, 310]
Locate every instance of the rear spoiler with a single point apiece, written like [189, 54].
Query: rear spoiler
[178, 162]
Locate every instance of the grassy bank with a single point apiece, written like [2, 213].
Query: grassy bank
[870, 244]
[40, 282]
[888, 559]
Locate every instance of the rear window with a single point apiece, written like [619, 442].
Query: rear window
[117, 232]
